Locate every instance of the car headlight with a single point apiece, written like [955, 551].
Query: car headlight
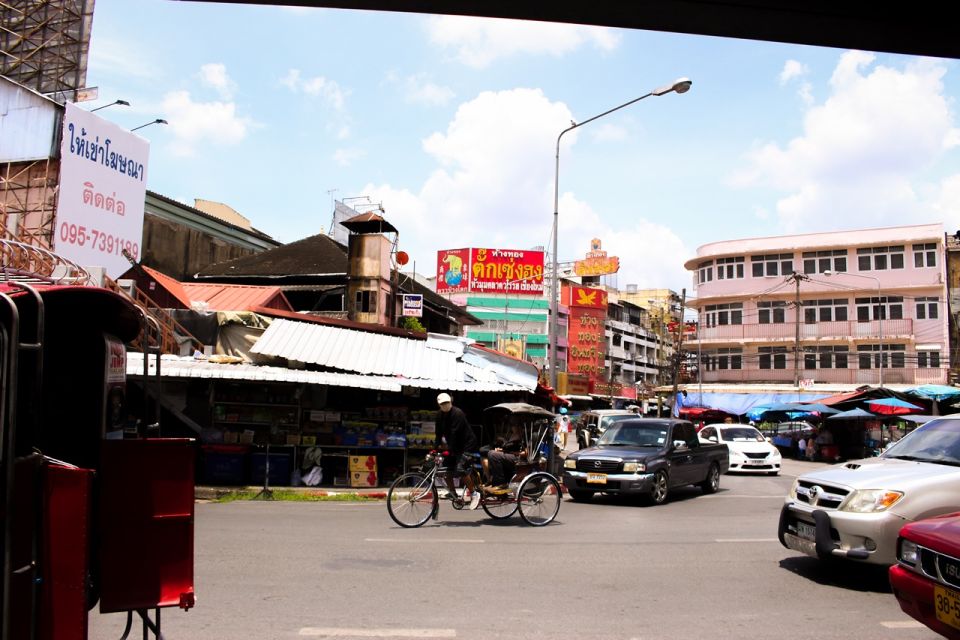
[634, 467]
[907, 551]
[871, 500]
[569, 463]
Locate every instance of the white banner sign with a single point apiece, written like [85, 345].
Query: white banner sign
[413, 305]
[103, 185]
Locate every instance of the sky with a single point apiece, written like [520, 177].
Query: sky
[451, 125]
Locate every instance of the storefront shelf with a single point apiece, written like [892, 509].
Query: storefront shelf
[257, 404]
[256, 424]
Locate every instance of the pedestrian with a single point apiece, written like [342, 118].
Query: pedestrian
[801, 447]
[563, 427]
[453, 428]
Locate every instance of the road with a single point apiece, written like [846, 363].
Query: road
[696, 567]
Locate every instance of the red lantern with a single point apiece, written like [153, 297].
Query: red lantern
[402, 258]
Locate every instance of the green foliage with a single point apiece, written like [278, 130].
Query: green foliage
[412, 324]
[305, 496]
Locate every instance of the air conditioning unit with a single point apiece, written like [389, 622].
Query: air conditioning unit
[128, 286]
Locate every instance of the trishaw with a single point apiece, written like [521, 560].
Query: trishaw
[414, 498]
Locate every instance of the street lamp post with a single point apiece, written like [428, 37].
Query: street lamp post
[680, 86]
[156, 121]
[882, 312]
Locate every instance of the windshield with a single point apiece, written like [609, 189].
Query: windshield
[740, 434]
[938, 441]
[607, 421]
[634, 435]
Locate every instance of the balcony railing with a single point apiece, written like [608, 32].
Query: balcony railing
[786, 331]
[891, 375]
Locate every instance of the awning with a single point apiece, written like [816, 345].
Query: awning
[188, 367]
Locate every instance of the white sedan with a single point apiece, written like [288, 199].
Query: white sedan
[749, 450]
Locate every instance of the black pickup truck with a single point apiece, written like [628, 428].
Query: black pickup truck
[645, 456]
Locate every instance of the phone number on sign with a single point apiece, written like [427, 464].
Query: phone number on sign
[97, 240]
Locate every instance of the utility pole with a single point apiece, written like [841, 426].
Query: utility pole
[678, 354]
[796, 277]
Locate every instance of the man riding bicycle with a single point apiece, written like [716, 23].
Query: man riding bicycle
[452, 425]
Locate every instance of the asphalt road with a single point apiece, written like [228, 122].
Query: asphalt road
[696, 567]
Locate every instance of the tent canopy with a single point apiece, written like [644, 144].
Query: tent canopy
[852, 414]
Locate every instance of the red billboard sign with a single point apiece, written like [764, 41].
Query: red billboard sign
[516, 271]
[587, 343]
[586, 297]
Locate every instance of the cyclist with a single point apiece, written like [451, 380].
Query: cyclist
[452, 426]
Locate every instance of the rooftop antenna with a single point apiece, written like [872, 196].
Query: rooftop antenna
[333, 209]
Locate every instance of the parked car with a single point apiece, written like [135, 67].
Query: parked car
[645, 456]
[749, 450]
[926, 578]
[855, 510]
[592, 424]
[784, 434]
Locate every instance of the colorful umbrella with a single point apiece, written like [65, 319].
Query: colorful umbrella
[934, 391]
[815, 406]
[852, 414]
[892, 406]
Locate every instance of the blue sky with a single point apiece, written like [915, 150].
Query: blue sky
[451, 124]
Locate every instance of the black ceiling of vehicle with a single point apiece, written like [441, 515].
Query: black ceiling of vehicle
[922, 27]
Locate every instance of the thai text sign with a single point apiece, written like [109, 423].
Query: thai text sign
[588, 297]
[517, 271]
[413, 305]
[586, 342]
[103, 185]
[596, 263]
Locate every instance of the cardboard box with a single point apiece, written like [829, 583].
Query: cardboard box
[363, 478]
[363, 464]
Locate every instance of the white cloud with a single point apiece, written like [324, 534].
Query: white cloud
[327, 90]
[607, 132]
[346, 157]
[494, 187]
[119, 59]
[480, 41]
[861, 151]
[214, 75]
[793, 69]
[193, 123]
[418, 89]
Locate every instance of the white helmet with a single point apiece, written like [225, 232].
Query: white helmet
[444, 398]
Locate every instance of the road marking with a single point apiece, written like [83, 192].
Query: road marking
[746, 540]
[421, 540]
[345, 632]
[715, 497]
[904, 624]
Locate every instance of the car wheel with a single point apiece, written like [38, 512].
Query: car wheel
[712, 481]
[581, 496]
[660, 489]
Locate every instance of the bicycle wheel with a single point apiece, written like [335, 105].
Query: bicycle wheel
[412, 499]
[498, 506]
[539, 499]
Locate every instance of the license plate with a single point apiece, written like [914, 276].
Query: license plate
[756, 462]
[806, 531]
[597, 478]
[946, 604]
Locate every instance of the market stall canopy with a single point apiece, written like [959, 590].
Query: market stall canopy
[815, 407]
[891, 406]
[522, 409]
[852, 414]
[934, 392]
[918, 418]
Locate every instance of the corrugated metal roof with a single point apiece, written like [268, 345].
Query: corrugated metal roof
[432, 361]
[172, 285]
[187, 367]
[234, 297]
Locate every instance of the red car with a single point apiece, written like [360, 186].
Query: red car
[926, 578]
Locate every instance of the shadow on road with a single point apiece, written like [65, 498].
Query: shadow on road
[681, 494]
[846, 575]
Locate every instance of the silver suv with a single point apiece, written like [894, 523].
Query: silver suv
[855, 510]
[591, 424]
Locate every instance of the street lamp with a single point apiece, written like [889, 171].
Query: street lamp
[157, 121]
[679, 86]
[882, 312]
[120, 102]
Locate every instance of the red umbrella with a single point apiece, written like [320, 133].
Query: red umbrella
[892, 406]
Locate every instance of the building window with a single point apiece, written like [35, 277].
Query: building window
[705, 272]
[771, 312]
[820, 261]
[829, 357]
[729, 358]
[879, 308]
[928, 359]
[721, 314]
[830, 310]
[366, 302]
[925, 255]
[774, 264]
[928, 308]
[894, 356]
[729, 268]
[773, 357]
[880, 258]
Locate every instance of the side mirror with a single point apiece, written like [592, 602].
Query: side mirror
[712, 438]
[679, 444]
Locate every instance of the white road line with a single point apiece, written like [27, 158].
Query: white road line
[746, 540]
[422, 541]
[345, 632]
[716, 497]
[904, 624]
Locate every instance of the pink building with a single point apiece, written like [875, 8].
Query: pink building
[872, 308]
